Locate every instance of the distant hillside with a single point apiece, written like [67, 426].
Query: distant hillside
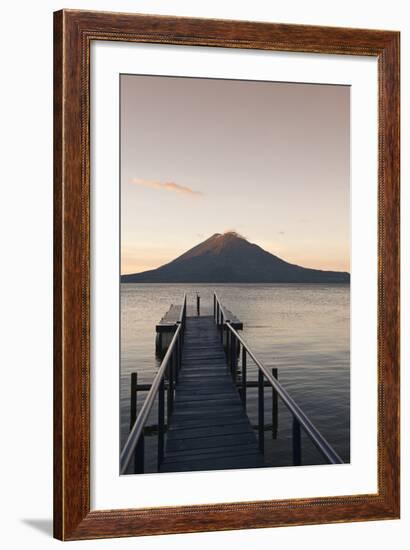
[229, 258]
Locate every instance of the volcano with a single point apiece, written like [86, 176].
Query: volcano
[230, 258]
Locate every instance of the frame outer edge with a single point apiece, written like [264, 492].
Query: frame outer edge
[390, 264]
[72, 517]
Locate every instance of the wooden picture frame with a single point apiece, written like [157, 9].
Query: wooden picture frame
[74, 32]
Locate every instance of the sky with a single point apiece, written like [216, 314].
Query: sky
[269, 160]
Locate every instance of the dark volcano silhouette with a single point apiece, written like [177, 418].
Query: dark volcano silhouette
[230, 258]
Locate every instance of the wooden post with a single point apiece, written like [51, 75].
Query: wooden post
[233, 358]
[244, 375]
[230, 363]
[274, 407]
[175, 368]
[261, 412]
[214, 306]
[180, 344]
[171, 381]
[176, 361]
[198, 304]
[297, 443]
[169, 395]
[182, 332]
[161, 422]
[139, 455]
[133, 399]
[221, 328]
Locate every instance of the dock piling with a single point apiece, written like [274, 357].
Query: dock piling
[139, 455]
[244, 381]
[261, 412]
[297, 443]
[274, 406]
[161, 422]
[133, 398]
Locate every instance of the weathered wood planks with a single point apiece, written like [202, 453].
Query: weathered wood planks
[170, 319]
[209, 428]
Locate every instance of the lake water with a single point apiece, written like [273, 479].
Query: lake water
[302, 330]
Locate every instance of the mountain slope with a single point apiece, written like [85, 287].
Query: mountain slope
[229, 258]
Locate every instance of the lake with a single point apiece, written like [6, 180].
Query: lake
[303, 330]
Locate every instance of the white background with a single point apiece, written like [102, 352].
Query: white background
[26, 285]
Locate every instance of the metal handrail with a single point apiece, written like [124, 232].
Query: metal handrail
[138, 427]
[317, 438]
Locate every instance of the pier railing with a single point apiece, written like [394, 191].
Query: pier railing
[168, 371]
[235, 346]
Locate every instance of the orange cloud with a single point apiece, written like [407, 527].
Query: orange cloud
[167, 186]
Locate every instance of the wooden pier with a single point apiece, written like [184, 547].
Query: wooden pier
[209, 428]
[200, 390]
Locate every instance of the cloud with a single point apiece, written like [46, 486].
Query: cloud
[232, 231]
[170, 186]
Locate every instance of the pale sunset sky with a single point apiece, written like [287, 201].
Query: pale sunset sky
[203, 156]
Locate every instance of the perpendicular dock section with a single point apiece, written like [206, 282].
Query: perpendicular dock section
[168, 324]
[166, 328]
[235, 322]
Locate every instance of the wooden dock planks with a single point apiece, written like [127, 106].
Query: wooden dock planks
[209, 428]
[170, 319]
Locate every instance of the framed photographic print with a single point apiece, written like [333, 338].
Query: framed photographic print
[226, 260]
